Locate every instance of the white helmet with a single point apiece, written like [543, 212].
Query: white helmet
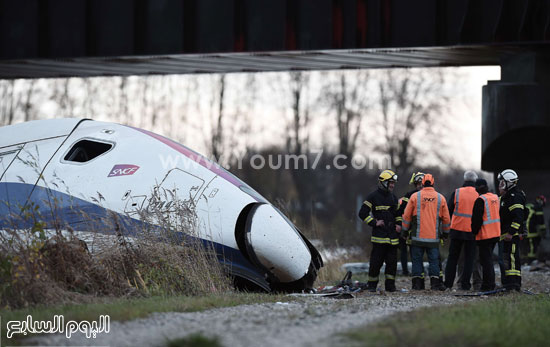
[508, 179]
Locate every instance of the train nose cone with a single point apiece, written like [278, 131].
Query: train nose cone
[277, 246]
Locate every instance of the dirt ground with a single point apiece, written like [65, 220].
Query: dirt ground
[304, 321]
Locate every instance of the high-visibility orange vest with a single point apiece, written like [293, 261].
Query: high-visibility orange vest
[491, 217]
[430, 210]
[464, 204]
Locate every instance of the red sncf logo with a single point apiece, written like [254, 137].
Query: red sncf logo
[123, 170]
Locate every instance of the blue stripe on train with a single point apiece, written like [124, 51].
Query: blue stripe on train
[61, 210]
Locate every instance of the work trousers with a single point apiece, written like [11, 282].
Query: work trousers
[440, 266]
[403, 256]
[530, 246]
[486, 260]
[501, 260]
[417, 254]
[476, 269]
[454, 253]
[512, 264]
[382, 253]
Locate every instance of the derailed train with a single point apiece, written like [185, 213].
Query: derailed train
[124, 166]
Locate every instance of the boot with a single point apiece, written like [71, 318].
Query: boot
[390, 286]
[416, 283]
[435, 284]
[371, 286]
[422, 282]
[486, 288]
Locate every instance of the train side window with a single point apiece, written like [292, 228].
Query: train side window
[86, 150]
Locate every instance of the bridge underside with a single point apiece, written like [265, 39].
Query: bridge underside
[259, 61]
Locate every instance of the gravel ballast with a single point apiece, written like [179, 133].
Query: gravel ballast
[303, 321]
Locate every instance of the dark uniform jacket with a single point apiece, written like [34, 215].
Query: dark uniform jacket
[535, 220]
[477, 215]
[382, 205]
[404, 201]
[512, 207]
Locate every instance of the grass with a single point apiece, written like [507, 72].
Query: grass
[128, 309]
[48, 264]
[332, 271]
[510, 320]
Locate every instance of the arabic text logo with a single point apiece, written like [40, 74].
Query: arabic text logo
[58, 325]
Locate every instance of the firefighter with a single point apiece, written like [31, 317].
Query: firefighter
[535, 226]
[427, 211]
[461, 205]
[486, 228]
[380, 211]
[416, 181]
[512, 207]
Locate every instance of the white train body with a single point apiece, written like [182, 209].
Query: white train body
[104, 168]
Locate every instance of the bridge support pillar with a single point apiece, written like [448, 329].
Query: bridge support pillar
[516, 121]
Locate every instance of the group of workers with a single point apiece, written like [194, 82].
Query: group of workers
[473, 218]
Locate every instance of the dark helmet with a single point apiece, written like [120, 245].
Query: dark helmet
[541, 199]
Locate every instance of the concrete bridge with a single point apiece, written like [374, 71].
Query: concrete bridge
[65, 38]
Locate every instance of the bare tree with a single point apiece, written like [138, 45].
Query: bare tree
[123, 109]
[185, 95]
[8, 102]
[347, 100]
[144, 87]
[17, 101]
[411, 103]
[238, 131]
[28, 106]
[297, 141]
[63, 94]
[217, 143]
[91, 87]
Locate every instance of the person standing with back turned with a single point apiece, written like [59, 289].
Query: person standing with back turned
[461, 205]
[486, 228]
[416, 181]
[427, 210]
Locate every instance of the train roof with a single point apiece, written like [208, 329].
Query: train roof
[35, 130]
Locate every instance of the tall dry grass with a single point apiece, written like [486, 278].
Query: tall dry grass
[161, 255]
[332, 271]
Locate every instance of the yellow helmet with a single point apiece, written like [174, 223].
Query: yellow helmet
[387, 176]
[416, 177]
